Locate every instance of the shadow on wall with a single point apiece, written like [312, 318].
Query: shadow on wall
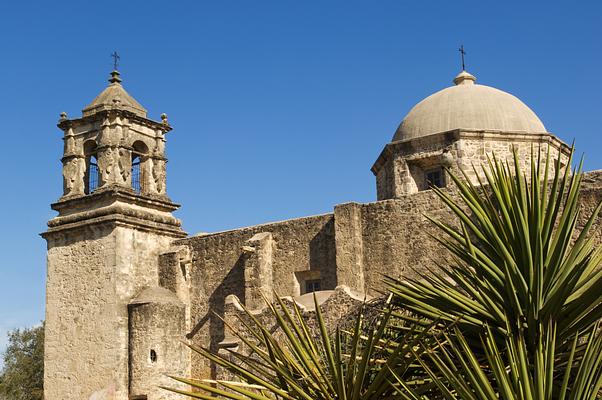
[233, 283]
[322, 255]
[322, 259]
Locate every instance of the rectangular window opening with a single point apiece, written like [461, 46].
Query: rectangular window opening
[435, 178]
[313, 285]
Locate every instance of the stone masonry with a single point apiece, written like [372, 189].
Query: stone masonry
[126, 285]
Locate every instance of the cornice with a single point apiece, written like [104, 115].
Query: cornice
[69, 123]
[456, 134]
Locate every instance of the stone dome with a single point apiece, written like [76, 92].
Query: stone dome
[114, 96]
[468, 106]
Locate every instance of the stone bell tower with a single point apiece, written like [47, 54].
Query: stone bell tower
[114, 219]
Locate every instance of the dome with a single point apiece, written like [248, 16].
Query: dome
[114, 96]
[468, 106]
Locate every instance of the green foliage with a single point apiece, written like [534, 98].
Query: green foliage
[511, 372]
[23, 374]
[306, 363]
[515, 256]
[525, 283]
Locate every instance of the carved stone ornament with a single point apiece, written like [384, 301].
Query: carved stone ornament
[73, 177]
[125, 165]
[159, 175]
[107, 165]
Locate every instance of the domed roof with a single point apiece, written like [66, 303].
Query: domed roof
[468, 106]
[114, 96]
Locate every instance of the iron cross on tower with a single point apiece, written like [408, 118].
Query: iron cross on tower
[115, 60]
[462, 53]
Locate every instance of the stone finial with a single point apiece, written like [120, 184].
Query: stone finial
[115, 79]
[164, 119]
[63, 116]
[464, 78]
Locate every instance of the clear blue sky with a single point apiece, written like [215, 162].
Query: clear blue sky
[279, 108]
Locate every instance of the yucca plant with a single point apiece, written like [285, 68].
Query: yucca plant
[525, 292]
[511, 371]
[300, 361]
[518, 255]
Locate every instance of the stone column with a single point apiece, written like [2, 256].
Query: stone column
[349, 246]
[158, 174]
[258, 269]
[74, 166]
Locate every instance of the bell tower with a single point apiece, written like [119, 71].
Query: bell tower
[114, 219]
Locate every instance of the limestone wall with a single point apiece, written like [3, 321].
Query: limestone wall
[93, 273]
[397, 239]
[475, 149]
[301, 247]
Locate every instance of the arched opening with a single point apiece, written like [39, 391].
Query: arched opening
[139, 154]
[91, 178]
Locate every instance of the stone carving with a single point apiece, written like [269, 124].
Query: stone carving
[69, 147]
[159, 175]
[125, 165]
[73, 177]
[107, 165]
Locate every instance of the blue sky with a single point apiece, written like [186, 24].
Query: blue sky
[279, 108]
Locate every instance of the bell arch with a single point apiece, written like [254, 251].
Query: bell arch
[139, 171]
[91, 176]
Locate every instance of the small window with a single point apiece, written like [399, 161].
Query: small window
[313, 285]
[153, 355]
[435, 178]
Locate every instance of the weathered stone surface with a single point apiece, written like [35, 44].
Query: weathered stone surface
[218, 268]
[93, 273]
[125, 284]
[157, 325]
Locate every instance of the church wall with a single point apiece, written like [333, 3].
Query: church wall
[590, 197]
[475, 151]
[396, 237]
[301, 247]
[93, 272]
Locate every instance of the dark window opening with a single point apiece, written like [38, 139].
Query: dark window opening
[136, 174]
[313, 285]
[139, 160]
[153, 355]
[91, 175]
[435, 178]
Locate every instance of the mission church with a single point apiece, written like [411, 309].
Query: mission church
[126, 285]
